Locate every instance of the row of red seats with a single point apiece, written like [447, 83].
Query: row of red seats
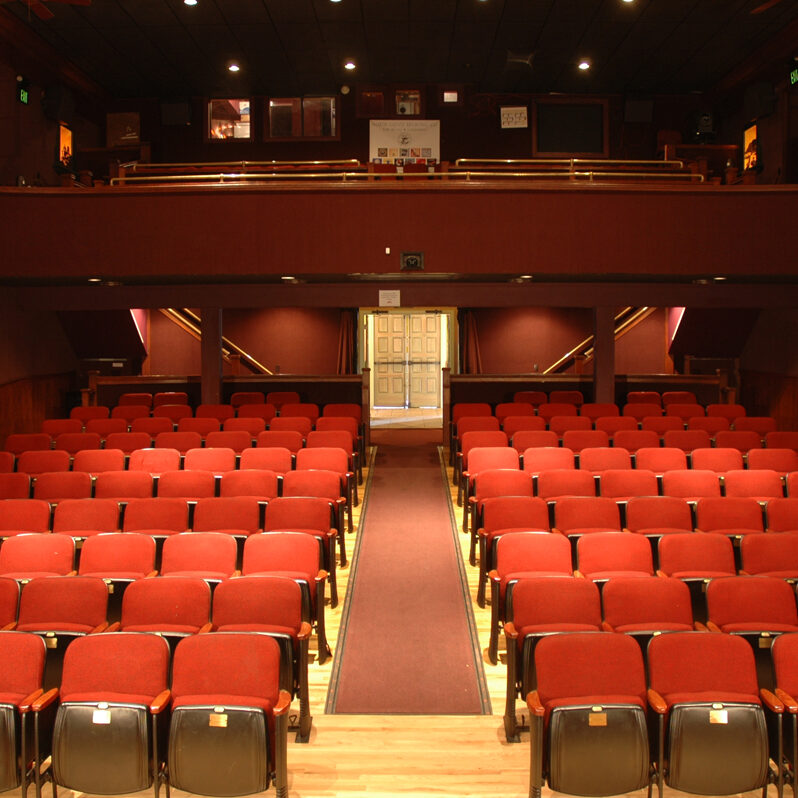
[224, 726]
[238, 398]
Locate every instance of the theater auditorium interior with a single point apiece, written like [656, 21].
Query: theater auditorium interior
[399, 396]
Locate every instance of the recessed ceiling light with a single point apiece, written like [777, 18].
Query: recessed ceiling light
[335, 1]
[719, 279]
[233, 67]
[584, 64]
[288, 277]
[95, 279]
[350, 65]
[628, 1]
[190, 2]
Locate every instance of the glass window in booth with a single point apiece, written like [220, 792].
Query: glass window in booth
[301, 117]
[229, 119]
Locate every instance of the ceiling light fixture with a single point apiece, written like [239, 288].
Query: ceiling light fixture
[350, 65]
[190, 2]
[584, 65]
[233, 67]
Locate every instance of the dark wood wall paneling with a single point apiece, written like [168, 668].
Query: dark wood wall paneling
[27, 402]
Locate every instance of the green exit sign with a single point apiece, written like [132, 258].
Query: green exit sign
[23, 90]
[793, 76]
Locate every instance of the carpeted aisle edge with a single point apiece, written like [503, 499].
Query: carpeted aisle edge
[407, 642]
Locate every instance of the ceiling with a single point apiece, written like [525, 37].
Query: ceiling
[163, 48]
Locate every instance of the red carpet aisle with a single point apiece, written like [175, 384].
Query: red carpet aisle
[408, 643]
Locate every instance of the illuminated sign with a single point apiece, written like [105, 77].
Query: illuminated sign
[23, 91]
[793, 76]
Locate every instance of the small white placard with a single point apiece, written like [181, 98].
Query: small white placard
[513, 116]
[390, 299]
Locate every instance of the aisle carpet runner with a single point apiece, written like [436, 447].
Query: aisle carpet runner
[408, 643]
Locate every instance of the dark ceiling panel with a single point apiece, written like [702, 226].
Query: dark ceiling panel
[385, 10]
[291, 11]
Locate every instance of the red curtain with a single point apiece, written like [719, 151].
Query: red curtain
[347, 342]
[470, 358]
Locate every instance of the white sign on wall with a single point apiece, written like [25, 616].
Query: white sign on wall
[402, 141]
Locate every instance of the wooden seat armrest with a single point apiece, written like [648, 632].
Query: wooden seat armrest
[533, 702]
[151, 575]
[712, 626]
[321, 576]
[101, 627]
[625, 529]
[578, 574]
[557, 531]
[332, 533]
[510, 631]
[283, 703]
[657, 702]
[493, 575]
[662, 573]
[607, 627]
[771, 701]
[743, 572]
[44, 700]
[72, 573]
[700, 627]
[206, 628]
[305, 630]
[790, 704]
[482, 532]
[699, 530]
[114, 627]
[237, 572]
[9, 626]
[28, 701]
[160, 702]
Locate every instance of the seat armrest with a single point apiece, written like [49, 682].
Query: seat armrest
[510, 631]
[533, 702]
[712, 626]
[26, 702]
[45, 700]
[771, 701]
[283, 703]
[656, 702]
[160, 702]
[790, 704]
[304, 631]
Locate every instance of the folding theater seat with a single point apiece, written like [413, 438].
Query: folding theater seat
[122, 486]
[655, 516]
[26, 557]
[662, 425]
[208, 555]
[9, 602]
[685, 410]
[539, 607]
[271, 605]
[130, 412]
[14, 485]
[57, 486]
[760, 484]
[678, 397]
[7, 462]
[783, 461]
[550, 409]
[325, 485]
[339, 438]
[239, 398]
[128, 442]
[204, 425]
[513, 424]
[22, 516]
[606, 555]
[557, 483]
[614, 424]
[85, 414]
[179, 441]
[730, 516]
[22, 658]
[299, 557]
[504, 409]
[524, 439]
[217, 460]
[641, 410]
[345, 424]
[480, 459]
[252, 425]
[288, 439]
[687, 439]
[343, 410]
[220, 412]
[461, 410]
[154, 461]
[82, 518]
[494, 482]
[174, 412]
[331, 459]
[739, 439]
[782, 515]
[238, 516]
[305, 409]
[566, 397]
[138, 398]
[501, 515]
[535, 398]
[96, 461]
[729, 411]
[543, 458]
[575, 516]
[42, 461]
[19, 442]
[55, 426]
[268, 458]
[660, 459]
[258, 482]
[595, 410]
[588, 716]
[569, 423]
[635, 439]
[189, 485]
[710, 424]
[791, 482]
[172, 608]
[762, 425]
[691, 484]
[152, 425]
[712, 735]
[73, 442]
[601, 458]
[61, 609]
[228, 732]
[495, 439]
[580, 440]
[169, 398]
[785, 708]
[643, 608]
[279, 398]
[647, 397]
[301, 424]
[770, 555]
[107, 737]
[311, 516]
[720, 460]
[480, 424]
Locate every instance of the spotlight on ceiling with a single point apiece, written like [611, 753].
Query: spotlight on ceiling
[350, 65]
[233, 66]
[584, 65]
[190, 2]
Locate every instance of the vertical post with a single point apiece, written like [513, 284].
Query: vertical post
[446, 405]
[365, 404]
[604, 349]
[211, 349]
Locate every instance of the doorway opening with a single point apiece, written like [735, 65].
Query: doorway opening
[406, 349]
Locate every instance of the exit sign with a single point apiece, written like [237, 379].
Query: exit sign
[793, 76]
[23, 91]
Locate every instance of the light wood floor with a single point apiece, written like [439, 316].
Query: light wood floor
[391, 755]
